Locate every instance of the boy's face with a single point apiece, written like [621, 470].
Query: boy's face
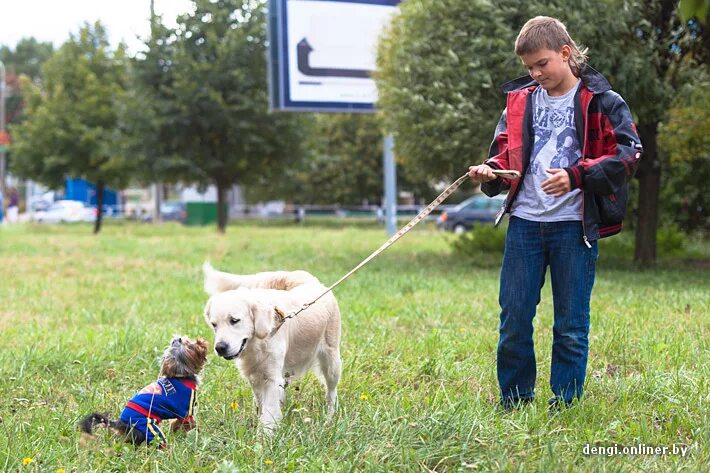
[551, 69]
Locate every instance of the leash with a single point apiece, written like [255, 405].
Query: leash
[509, 174]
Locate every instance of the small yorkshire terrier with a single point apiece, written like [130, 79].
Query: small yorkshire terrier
[172, 396]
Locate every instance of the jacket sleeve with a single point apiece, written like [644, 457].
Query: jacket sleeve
[608, 173]
[498, 158]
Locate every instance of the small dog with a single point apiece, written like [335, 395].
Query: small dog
[172, 396]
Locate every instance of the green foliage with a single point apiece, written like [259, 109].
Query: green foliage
[440, 62]
[685, 138]
[221, 125]
[27, 58]
[202, 85]
[673, 244]
[70, 128]
[439, 66]
[342, 164]
[147, 116]
[671, 241]
[690, 9]
[483, 244]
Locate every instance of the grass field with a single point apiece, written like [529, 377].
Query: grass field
[83, 319]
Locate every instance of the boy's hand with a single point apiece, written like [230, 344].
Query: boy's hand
[482, 173]
[557, 185]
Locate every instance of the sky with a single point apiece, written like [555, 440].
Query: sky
[53, 20]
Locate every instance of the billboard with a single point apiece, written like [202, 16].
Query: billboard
[322, 53]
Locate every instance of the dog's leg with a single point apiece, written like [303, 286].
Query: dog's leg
[256, 392]
[329, 361]
[272, 398]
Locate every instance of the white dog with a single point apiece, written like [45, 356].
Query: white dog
[242, 312]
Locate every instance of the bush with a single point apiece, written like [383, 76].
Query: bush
[670, 241]
[483, 243]
[618, 251]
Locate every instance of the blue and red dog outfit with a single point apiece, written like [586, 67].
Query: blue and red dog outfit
[166, 398]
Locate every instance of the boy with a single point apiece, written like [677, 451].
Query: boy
[574, 142]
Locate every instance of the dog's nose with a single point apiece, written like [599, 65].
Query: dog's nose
[221, 348]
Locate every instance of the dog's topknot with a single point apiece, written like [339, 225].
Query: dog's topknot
[184, 357]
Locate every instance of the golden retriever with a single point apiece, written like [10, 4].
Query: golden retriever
[242, 313]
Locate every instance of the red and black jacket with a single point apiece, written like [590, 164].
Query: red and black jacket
[611, 149]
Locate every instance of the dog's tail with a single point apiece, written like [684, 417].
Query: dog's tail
[218, 281]
[88, 423]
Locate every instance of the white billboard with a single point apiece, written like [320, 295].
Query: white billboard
[323, 52]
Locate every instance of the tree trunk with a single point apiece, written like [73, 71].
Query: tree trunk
[99, 205]
[649, 176]
[221, 211]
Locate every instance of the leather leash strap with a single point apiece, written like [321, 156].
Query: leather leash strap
[402, 231]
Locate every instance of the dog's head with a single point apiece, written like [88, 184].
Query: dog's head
[184, 357]
[236, 318]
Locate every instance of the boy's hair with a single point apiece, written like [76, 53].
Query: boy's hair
[544, 32]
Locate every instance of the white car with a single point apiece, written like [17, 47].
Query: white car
[66, 211]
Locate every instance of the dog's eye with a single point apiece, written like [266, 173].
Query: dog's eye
[214, 326]
[234, 321]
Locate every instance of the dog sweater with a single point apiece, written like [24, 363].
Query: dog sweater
[166, 398]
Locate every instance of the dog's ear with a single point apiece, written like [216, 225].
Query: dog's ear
[263, 317]
[207, 310]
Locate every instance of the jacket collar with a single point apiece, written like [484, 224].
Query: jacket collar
[591, 78]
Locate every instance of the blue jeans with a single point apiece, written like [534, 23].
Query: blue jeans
[531, 247]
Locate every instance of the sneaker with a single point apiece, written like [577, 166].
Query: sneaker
[510, 404]
[557, 404]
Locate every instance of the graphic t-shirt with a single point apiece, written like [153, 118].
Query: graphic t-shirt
[556, 146]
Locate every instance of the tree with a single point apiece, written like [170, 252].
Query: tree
[441, 60]
[147, 118]
[71, 120]
[27, 57]
[343, 164]
[685, 139]
[649, 55]
[667, 53]
[222, 132]
[439, 66]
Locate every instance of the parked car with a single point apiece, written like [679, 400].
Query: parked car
[66, 211]
[173, 211]
[479, 208]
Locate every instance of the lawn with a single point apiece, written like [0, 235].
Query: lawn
[83, 319]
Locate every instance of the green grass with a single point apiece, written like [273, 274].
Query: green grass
[83, 319]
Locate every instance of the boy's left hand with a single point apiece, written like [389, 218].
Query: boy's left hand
[557, 185]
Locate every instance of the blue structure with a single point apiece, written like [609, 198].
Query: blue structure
[84, 191]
